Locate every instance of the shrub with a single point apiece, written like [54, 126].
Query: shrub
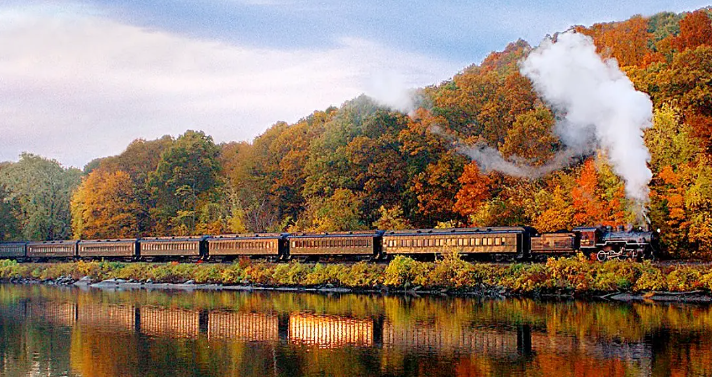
[208, 274]
[406, 272]
[651, 279]
[233, 274]
[684, 279]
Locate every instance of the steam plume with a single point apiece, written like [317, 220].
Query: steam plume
[597, 107]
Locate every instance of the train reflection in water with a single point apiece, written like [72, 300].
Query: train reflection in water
[137, 333]
[322, 330]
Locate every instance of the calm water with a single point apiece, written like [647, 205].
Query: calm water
[49, 331]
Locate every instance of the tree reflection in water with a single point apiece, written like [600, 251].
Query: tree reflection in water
[62, 331]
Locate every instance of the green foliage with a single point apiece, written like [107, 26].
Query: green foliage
[186, 178]
[42, 189]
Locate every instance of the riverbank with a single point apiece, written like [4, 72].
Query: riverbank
[565, 277]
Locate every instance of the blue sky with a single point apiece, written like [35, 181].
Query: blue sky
[81, 79]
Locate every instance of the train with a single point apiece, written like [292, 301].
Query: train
[507, 243]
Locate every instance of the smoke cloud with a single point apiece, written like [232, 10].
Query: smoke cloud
[597, 107]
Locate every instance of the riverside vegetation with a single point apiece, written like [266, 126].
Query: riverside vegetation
[564, 276]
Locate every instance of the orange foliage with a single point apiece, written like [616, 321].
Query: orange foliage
[475, 190]
[695, 30]
[588, 207]
[105, 207]
[626, 41]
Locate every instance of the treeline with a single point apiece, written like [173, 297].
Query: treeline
[364, 166]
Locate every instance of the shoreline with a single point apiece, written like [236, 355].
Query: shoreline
[691, 297]
[563, 278]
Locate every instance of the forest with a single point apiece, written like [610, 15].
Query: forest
[365, 166]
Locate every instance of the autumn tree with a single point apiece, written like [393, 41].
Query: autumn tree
[555, 210]
[104, 206]
[531, 138]
[391, 219]
[627, 41]
[140, 158]
[681, 196]
[476, 190]
[338, 212]
[587, 204]
[695, 30]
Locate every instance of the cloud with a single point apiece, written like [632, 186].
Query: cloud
[76, 86]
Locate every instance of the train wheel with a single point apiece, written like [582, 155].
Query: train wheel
[602, 256]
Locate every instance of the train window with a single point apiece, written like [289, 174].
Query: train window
[477, 242]
[459, 242]
[497, 241]
[503, 240]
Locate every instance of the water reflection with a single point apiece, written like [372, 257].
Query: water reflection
[61, 331]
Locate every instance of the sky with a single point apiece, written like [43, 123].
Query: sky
[82, 79]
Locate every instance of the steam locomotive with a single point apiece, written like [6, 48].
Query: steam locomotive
[494, 243]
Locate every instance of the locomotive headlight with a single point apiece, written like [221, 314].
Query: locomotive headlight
[658, 230]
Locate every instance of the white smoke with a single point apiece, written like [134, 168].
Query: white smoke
[598, 107]
[390, 89]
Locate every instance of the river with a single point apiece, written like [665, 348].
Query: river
[66, 331]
